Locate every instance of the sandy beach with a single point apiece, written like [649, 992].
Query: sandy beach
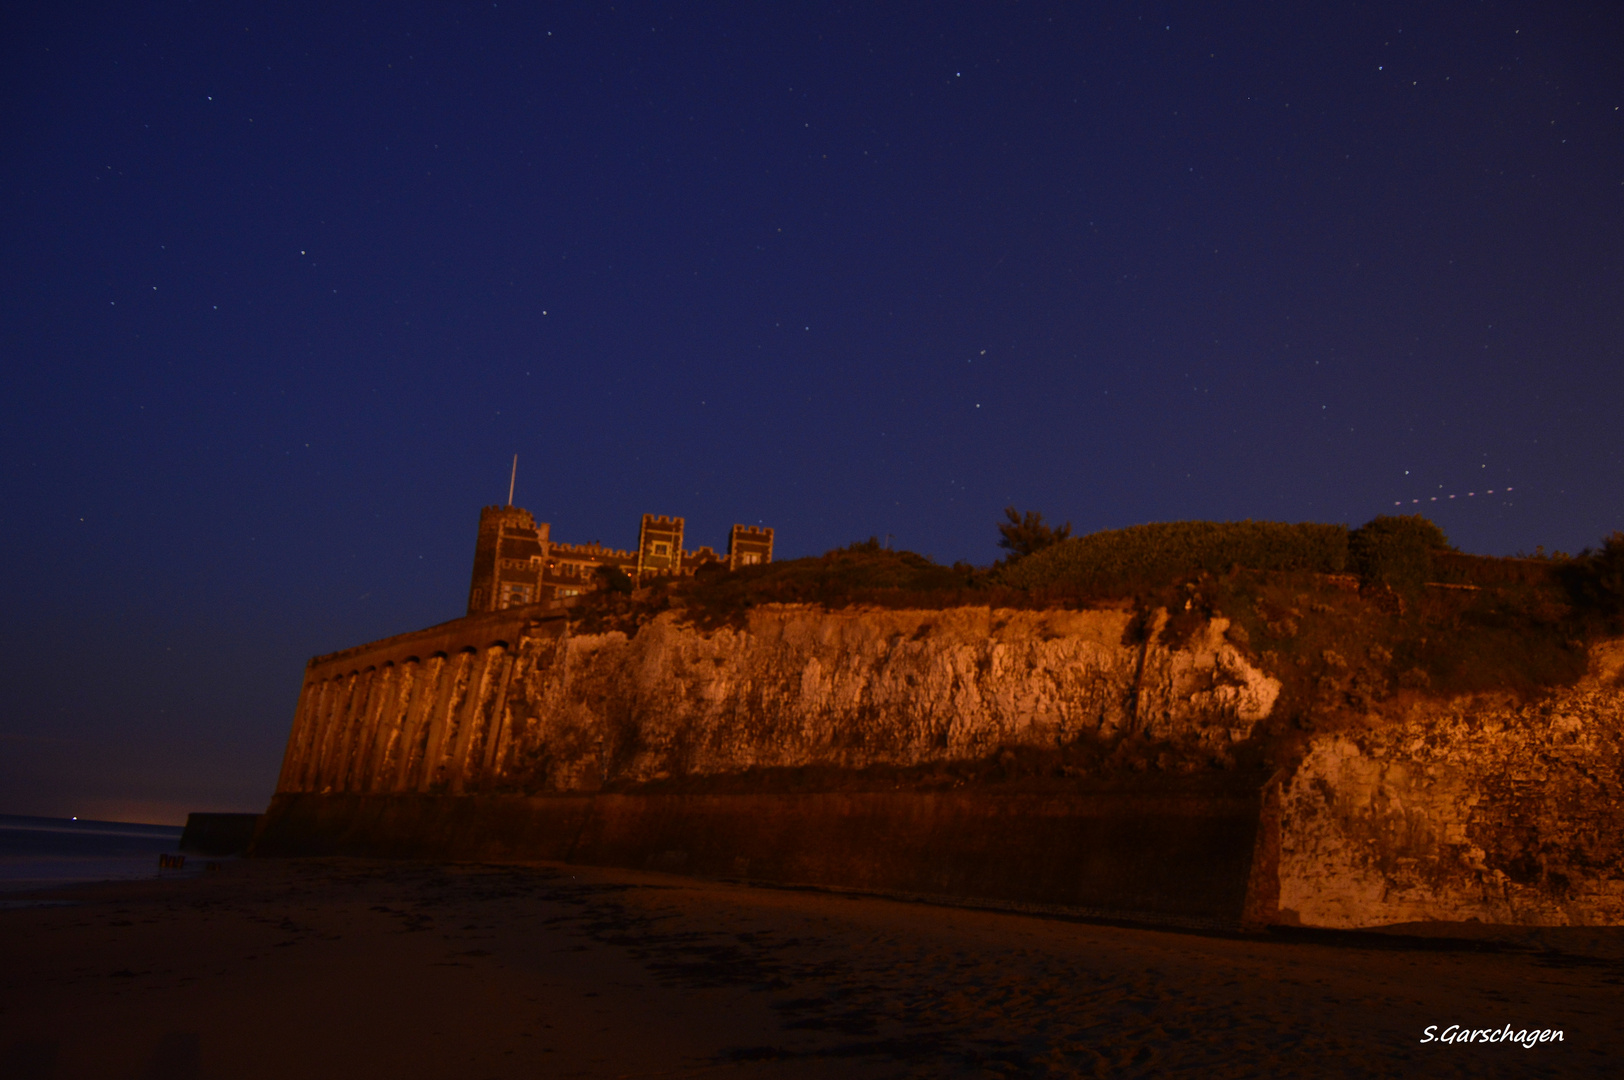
[351, 968]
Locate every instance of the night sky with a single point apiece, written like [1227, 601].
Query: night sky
[285, 290]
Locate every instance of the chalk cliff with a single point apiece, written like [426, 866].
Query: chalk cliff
[934, 747]
[800, 687]
[1479, 807]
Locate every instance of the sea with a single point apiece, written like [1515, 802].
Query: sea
[44, 853]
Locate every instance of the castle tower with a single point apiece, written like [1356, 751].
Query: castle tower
[509, 558]
[749, 546]
[659, 546]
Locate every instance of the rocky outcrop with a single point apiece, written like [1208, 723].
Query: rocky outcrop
[1479, 808]
[799, 687]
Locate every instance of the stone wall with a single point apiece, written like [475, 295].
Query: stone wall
[1173, 850]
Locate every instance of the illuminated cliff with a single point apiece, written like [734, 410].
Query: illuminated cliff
[800, 743]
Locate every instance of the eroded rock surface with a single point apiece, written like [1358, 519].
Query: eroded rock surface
[1410, 807]
[1468, 808]
[799, 686]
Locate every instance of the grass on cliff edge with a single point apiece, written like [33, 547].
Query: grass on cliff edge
[1344, 617]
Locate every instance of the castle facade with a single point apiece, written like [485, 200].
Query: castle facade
[517, 562]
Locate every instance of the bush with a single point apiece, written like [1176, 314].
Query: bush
[1595, 583]
[615, 580]
[1123, 561]
[1396, 550]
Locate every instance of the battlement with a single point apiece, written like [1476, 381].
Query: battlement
[592, 551]
[749, 545]
[495, 517]
[659, 546]
[516, 563]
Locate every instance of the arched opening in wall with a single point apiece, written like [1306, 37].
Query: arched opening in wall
[363, 706]
[481, 718]
[370, 730]
[332, 736]
[410, 770]
[489, 767]
[311, 723]
[392, 727]
[450, 720]
[463, 756]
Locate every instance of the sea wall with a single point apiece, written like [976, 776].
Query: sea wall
[218, 834]
[1175, 852]
[1071, 758]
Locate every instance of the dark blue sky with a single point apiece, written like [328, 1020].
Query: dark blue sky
[285, 289]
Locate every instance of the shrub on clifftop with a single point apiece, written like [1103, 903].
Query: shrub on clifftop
[1396, 550]
[1122, 561]
[1595, 583]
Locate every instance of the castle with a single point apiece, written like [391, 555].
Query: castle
[517, 562]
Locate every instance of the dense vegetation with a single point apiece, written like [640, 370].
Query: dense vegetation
[1128, 561]
[1595, 585]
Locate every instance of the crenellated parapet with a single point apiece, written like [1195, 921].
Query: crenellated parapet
[593, 551]
[509, 558]
[748, 545]
[659, 546]
[516, 562]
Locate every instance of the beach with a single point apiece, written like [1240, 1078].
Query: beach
[357, 968]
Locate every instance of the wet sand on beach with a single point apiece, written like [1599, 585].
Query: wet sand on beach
[358, 969]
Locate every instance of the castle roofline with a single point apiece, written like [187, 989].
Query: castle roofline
[514, 513]
[561, 548]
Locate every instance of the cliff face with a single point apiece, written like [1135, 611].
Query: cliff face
[1419, 808]
[1468, 808]
[801, 687]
